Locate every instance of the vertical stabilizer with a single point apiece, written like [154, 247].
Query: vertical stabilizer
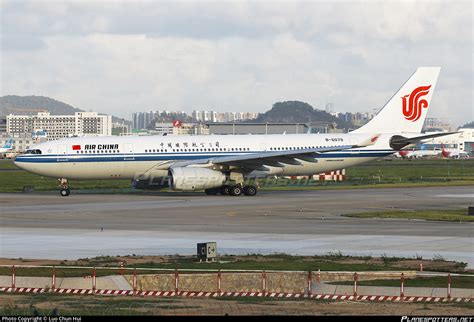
[406, 111]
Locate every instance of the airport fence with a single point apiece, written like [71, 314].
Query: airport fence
[161, 282]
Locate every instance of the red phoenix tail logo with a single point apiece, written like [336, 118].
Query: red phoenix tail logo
[412, 109]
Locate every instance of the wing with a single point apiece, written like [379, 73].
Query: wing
[258, 161]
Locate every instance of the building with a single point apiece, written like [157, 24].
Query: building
[121, 128]
[258, 128]
[21, 142]
[204, 116]
[3, 125]
[436, 124]
[357, 118]
[329, 108]
[211, 116]
[141, 120]
[183, 129]
[60, 126]
[462, 141]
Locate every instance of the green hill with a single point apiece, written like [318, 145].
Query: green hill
[299, 112]
[31, 104]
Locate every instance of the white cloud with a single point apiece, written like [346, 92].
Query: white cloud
[121, 57]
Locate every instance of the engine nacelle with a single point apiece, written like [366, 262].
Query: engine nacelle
[190, 179]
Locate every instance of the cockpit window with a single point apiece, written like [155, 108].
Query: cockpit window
[35, 151]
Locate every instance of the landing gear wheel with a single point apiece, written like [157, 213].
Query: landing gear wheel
[236, 190]
[250, 190]
[211, 192]
[64, 184]
[225, 190]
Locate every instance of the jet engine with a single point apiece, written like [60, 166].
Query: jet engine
[190, 179]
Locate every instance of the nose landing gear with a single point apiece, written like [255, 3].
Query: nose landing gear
[64, 184]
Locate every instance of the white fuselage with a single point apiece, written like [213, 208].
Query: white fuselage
[137, 156]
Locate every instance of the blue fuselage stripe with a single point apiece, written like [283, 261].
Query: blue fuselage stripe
[174, 156]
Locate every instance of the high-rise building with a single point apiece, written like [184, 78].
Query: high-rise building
[142, 120]
[211, 116]
[197, 115]
[329, 108]
[436, 124]
[60, 126]
[3, 125]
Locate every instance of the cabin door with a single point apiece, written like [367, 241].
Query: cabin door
[128, 153]
[62, 153]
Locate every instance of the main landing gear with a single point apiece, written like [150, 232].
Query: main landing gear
[235, 190]
[64, 191]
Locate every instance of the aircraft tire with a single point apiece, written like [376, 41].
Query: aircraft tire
[65, 192]
[250, 190]
[225, 190]
[236, 190]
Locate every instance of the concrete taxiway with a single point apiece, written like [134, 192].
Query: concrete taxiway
[294, 222]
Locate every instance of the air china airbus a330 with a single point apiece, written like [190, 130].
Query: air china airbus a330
[225, 163]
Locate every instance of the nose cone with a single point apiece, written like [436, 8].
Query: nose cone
[24, 163]
[19, 162]
[35, 165]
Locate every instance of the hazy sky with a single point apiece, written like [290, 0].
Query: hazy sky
[122, 57]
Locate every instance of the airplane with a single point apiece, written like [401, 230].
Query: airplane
[8, 146]
[453, 153]
[416, 154]
[233, 164]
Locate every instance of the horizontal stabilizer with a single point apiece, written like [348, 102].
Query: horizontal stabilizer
[398, 142]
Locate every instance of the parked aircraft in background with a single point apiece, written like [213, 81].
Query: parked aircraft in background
[453, 153]
[417, 154]
[7, 147]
